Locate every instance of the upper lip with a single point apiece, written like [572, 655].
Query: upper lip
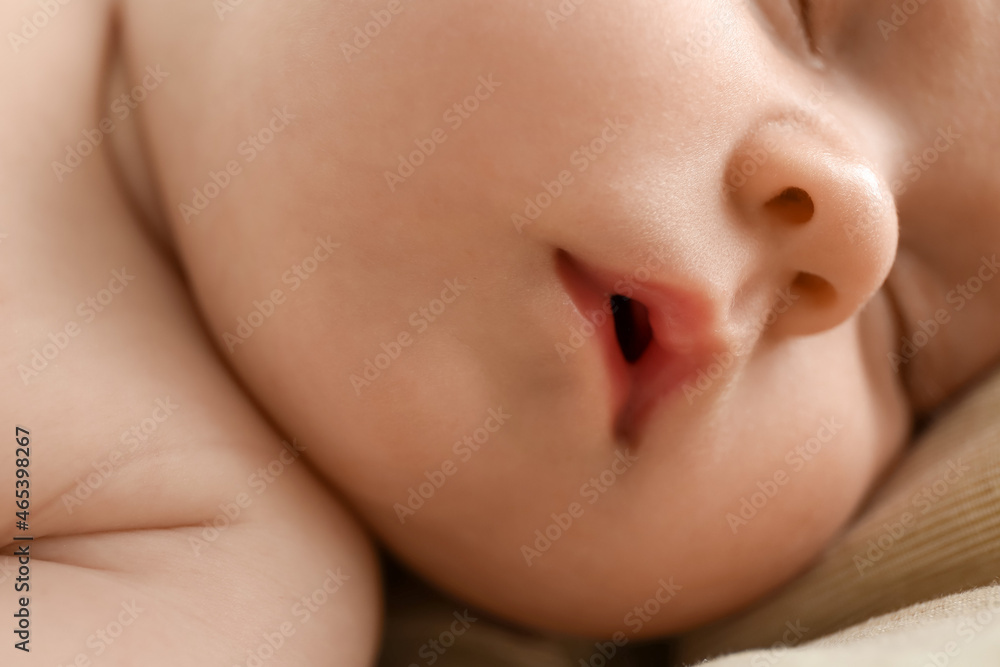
[682, 339]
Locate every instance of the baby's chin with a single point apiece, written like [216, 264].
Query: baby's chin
[605, 576]
[633, 601]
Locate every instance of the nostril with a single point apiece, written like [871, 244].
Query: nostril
[632, 327]
[814, 290]
[793, 205]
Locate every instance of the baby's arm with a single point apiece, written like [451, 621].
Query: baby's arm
[139, 437]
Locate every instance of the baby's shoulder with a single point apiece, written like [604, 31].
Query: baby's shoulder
[153, 489]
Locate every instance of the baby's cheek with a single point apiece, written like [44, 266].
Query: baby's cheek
[776, 488]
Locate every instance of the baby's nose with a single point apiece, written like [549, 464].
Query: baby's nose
[824, 226]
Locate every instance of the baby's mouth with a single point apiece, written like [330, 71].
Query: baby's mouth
[632, 327]
[660, 339]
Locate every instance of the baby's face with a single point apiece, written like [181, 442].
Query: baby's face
[607, 308]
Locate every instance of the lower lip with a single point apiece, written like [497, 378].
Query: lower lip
[658, 377]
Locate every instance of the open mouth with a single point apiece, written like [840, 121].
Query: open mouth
[653, 340]
[632, 327]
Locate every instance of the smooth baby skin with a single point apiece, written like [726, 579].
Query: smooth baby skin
[355, 217]
[170, 523]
